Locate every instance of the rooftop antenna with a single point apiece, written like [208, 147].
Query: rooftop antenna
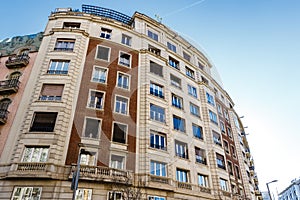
[158, 18]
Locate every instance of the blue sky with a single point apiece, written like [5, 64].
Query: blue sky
[255, 46]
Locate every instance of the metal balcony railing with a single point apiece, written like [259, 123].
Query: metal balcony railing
[9, 86]
[17, 61]
[3, 116]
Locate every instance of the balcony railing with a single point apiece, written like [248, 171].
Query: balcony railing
[160, 179]
[102, 173]
[31, 167]
[9, 86]
[17, 61]
[183, 185]
[3, 116]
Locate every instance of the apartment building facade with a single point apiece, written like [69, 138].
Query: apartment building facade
[139, 102]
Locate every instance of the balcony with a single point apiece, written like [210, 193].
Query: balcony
[9, 86]
[17, 61]
[159, 179]
[105, 174]
[184, 185]
[3, 116]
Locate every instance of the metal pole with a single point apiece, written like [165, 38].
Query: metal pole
[77, 175]
[269, 191]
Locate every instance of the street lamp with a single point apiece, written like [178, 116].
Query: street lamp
[76, 174]
[268, 187]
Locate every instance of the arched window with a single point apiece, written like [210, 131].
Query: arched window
[15, 75]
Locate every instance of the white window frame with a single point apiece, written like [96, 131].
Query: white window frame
[213, 117]
[192, 91]
[99, 128]
[158, 88]
[106, 32]
[89, 100]
[153, 34]
[203, 180]
[177, 101]
[194, 109]
[88, 159]
[174, 83]
[189, 72]
[126, 40]
[171, 46]
[123, 63]
[180, 173]
[82, 192]
[224, 184]
[26, 193]
[116, 165]
[151, 197]
[64, 62]
[109, 52]
[161, 145]
[158, 166]
[210, 99]
[95, 71]
[32, 149]
[113, 193]
[157, 116]
[123, 75]
[121, 104]
[181, 149]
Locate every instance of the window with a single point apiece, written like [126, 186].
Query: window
[171, 46]
[182, 175]
[203, 180]
[114, 196]
[119, 133]
[64, 45]
[200, 66]
[237, 172]
[175, 81]
[186, 56]
[121, 105]
[51, 92]
[96, 100]
[43, 122]
[158, 141]
[30, 193]
[189, 72]
[105, 33]
[117, 162]
[192, 91]
[226, 115]
[156, 69]
[156, 198]
[125, 59]
[58, 67]
[204, 80]
[213, 117]
[83, 194]
[158, 168]
[230, 169]
[177, 101]
[220, 161]
[217, 138]
[153, 35]
[156, 90]
[233, 151]
[71, 25]
[88, 159]
[157, 113]
[123, 81]
[210, 99]
[229, 132]
[103, 53]
[173, 62]
[195, 110]
[4, 103]
[126, 40]
[154, 50]
[219, 108]
[92, 128]
[200, 155]
[197, 131]
[178, 123]
[181, 150]
[223, 184]
[226, 146]
[99, 74]
[35, 154]
[222, 125]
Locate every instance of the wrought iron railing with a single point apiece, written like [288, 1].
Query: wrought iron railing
[17, 60]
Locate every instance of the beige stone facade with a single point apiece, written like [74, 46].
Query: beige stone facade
[140, 101]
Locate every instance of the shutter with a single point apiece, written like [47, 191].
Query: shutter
[52, 90]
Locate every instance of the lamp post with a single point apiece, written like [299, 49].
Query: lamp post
[269, 188]
[76, 174]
